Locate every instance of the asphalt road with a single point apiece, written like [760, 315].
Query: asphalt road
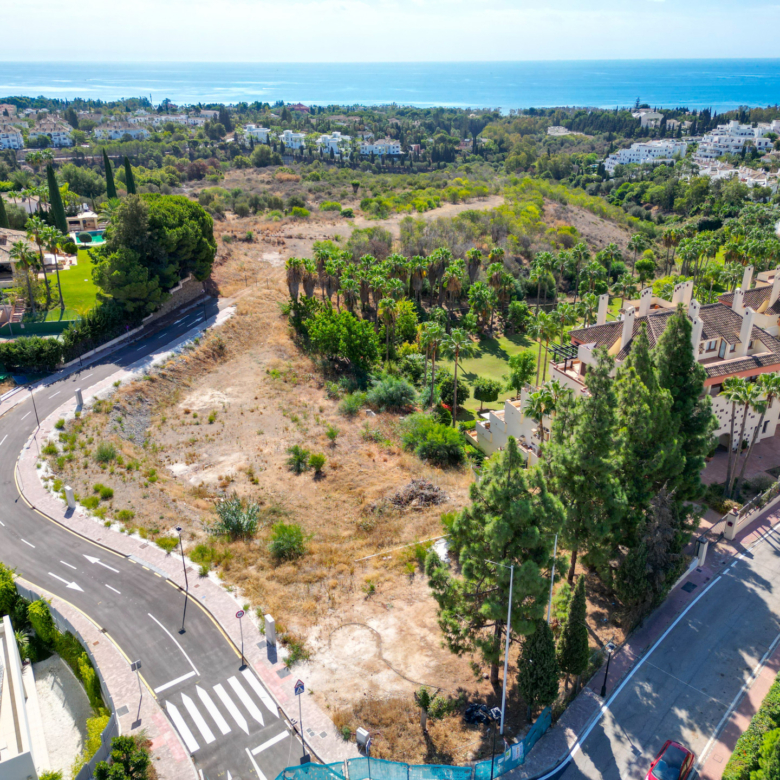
[684, 686]
[226, 718]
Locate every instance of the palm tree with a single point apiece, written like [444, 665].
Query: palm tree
[623, 287]
[542, 265]
[108, 208]
[565, 314]
[25, 259]
[36, 228]
[549, 330]
[388, 313]
[51, 238]
[417, 267]
[457, 345]
[534, 330]
[452, 282]
[333, 271]
[473, 264]
[321, 256]
[431, 336]
[350, 289]
[769, 386]
[295, 267]
[309, 277]
[636, 244]
[588, 307]
[739, 392]
[593, 271]
[537, 405]
[395, 288]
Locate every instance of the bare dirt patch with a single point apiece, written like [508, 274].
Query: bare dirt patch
[595, 231]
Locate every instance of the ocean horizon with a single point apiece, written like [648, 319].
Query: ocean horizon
[718, 84]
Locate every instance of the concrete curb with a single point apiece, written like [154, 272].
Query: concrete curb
[320, 733]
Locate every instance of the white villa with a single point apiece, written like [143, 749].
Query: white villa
[382, 146]
[261, 134]
[715, 169]
[731, 138]
[656, 151]
[10, 137]
[735, 337]
[115, 131]
[334, 142]
[648, 118]
[292, 140]
[58, 133]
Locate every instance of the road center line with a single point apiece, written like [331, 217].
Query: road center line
[174, 682]
[87, 376]
[270, 742]
[57, 393]
[67, 564]
[4, 438]
[27, 415]
[174, 641]
[2, 523]
[27, 543]
[114, 589]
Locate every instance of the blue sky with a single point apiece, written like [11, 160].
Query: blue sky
[386, 30]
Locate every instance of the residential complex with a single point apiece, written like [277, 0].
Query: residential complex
[737, 336]
[752, 177]
[58, 133]
[10, 137]
[292, 140]
[657, 151]
[115, 131]
[261, 134]
[336, 143]
[731, 139]
[381, 147]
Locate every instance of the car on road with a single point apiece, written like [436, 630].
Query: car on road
[673, 762]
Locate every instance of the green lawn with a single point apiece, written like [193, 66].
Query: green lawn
[78, 290]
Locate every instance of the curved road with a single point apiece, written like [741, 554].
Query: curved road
[226, 718]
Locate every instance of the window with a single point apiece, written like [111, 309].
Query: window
[711, 345]
[732, 348]
[766, 425]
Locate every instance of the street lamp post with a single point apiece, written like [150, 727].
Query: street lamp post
[495, 715]
[511, 568]
[186, 581]
[610, 650]
[32, 397]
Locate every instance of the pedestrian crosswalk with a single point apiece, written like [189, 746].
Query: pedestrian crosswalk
[197, 717]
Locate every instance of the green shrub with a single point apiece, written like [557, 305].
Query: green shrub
[91, 681]
[237, 519]
[50, 449]
[105, 452]
[151, 475]
[95, 727]
[202, 553]
[212, 418]
[125, 515]
[297, 650]
[204, 569]
[332, 433]
[330, 205]
[317, 461]
[167, 543]
[298, 461]
[429, 440]
[90, 502]
[106, 493]
[30, 354]
[391, 393]
[288, 541]
[347, 212]
[352, 404]
[298, 212]
[56, 775]
[60, 424]
[41, 620]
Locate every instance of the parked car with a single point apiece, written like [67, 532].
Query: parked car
[673, 762]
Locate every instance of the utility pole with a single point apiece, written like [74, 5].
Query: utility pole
[511, 568]
[186, 581]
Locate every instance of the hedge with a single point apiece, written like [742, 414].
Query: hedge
[747, 751]
[31, 353]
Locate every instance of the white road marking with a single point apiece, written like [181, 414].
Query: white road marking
[4, 438]
[270, 742]
[181, 727]
[203, 727]
[98, 561]
[71, 585]
[229, 777]
[174, 641]
[87, 376]
[181, 320]
[262, 694]
[232, 709]
[27, 415]
[174, 682]
[69, 566]
[56, 394]
[2, 523]
[246, 700]
[25, 540]
[213, 711]
[114, 589]
[256, 767]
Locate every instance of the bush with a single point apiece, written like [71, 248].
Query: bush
[317, 461]
[125, 515]
[90, 502]
[95, 727]
[332, 433]
[391, 393]
[42, 622]
[8, 593]
[30, 353]
[60, 424]
[299, 213]
[330, 205]
[298, 461]
[352, 404]
[85, 238]
[429, 440]
[167, 543]
[347, 213]
[105, 452]
[287, 541]
[106, 493]
[237, 519]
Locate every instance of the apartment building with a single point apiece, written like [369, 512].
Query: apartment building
[380, 147]
[335, 142]
[58, 133]
[657, 151]
[115, 131]
[261, 134]
[729, 338]
[7, 110]
[731, 139]
[752, 177]
[10, 137]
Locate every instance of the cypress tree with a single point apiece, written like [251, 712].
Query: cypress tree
[3, 215]
[537, 668]
[509, 521]
[572, 651]
[129, 180]
[691, 410]
[55, 202]
[582, 463]
[110, 186]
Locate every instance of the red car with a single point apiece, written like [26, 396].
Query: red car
[673, 762]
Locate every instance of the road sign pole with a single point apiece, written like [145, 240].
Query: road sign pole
[299, 692]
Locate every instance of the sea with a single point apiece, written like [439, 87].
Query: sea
[717, 84]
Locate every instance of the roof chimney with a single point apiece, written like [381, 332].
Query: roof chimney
[644, 301]
[775, 294]
[698, 326]
[737, 304]
[683, 292]
[628, 327]
[745, 332]
[747, 277]
[601, 317]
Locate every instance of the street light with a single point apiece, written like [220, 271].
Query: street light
[511, 568]
[32, 396]
[186, 581]
[495, 714]
[610, 649]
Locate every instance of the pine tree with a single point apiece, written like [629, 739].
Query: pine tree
[582, 464]
[573, 652]
[3, 215]
[129, 180]
[537, 668]
[691, 411]
[55, 202]
[110, 186]
[510, 520]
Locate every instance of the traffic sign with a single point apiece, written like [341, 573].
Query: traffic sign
[240, 613]
[299, 688]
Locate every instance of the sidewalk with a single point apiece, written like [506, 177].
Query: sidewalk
[320, 734]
